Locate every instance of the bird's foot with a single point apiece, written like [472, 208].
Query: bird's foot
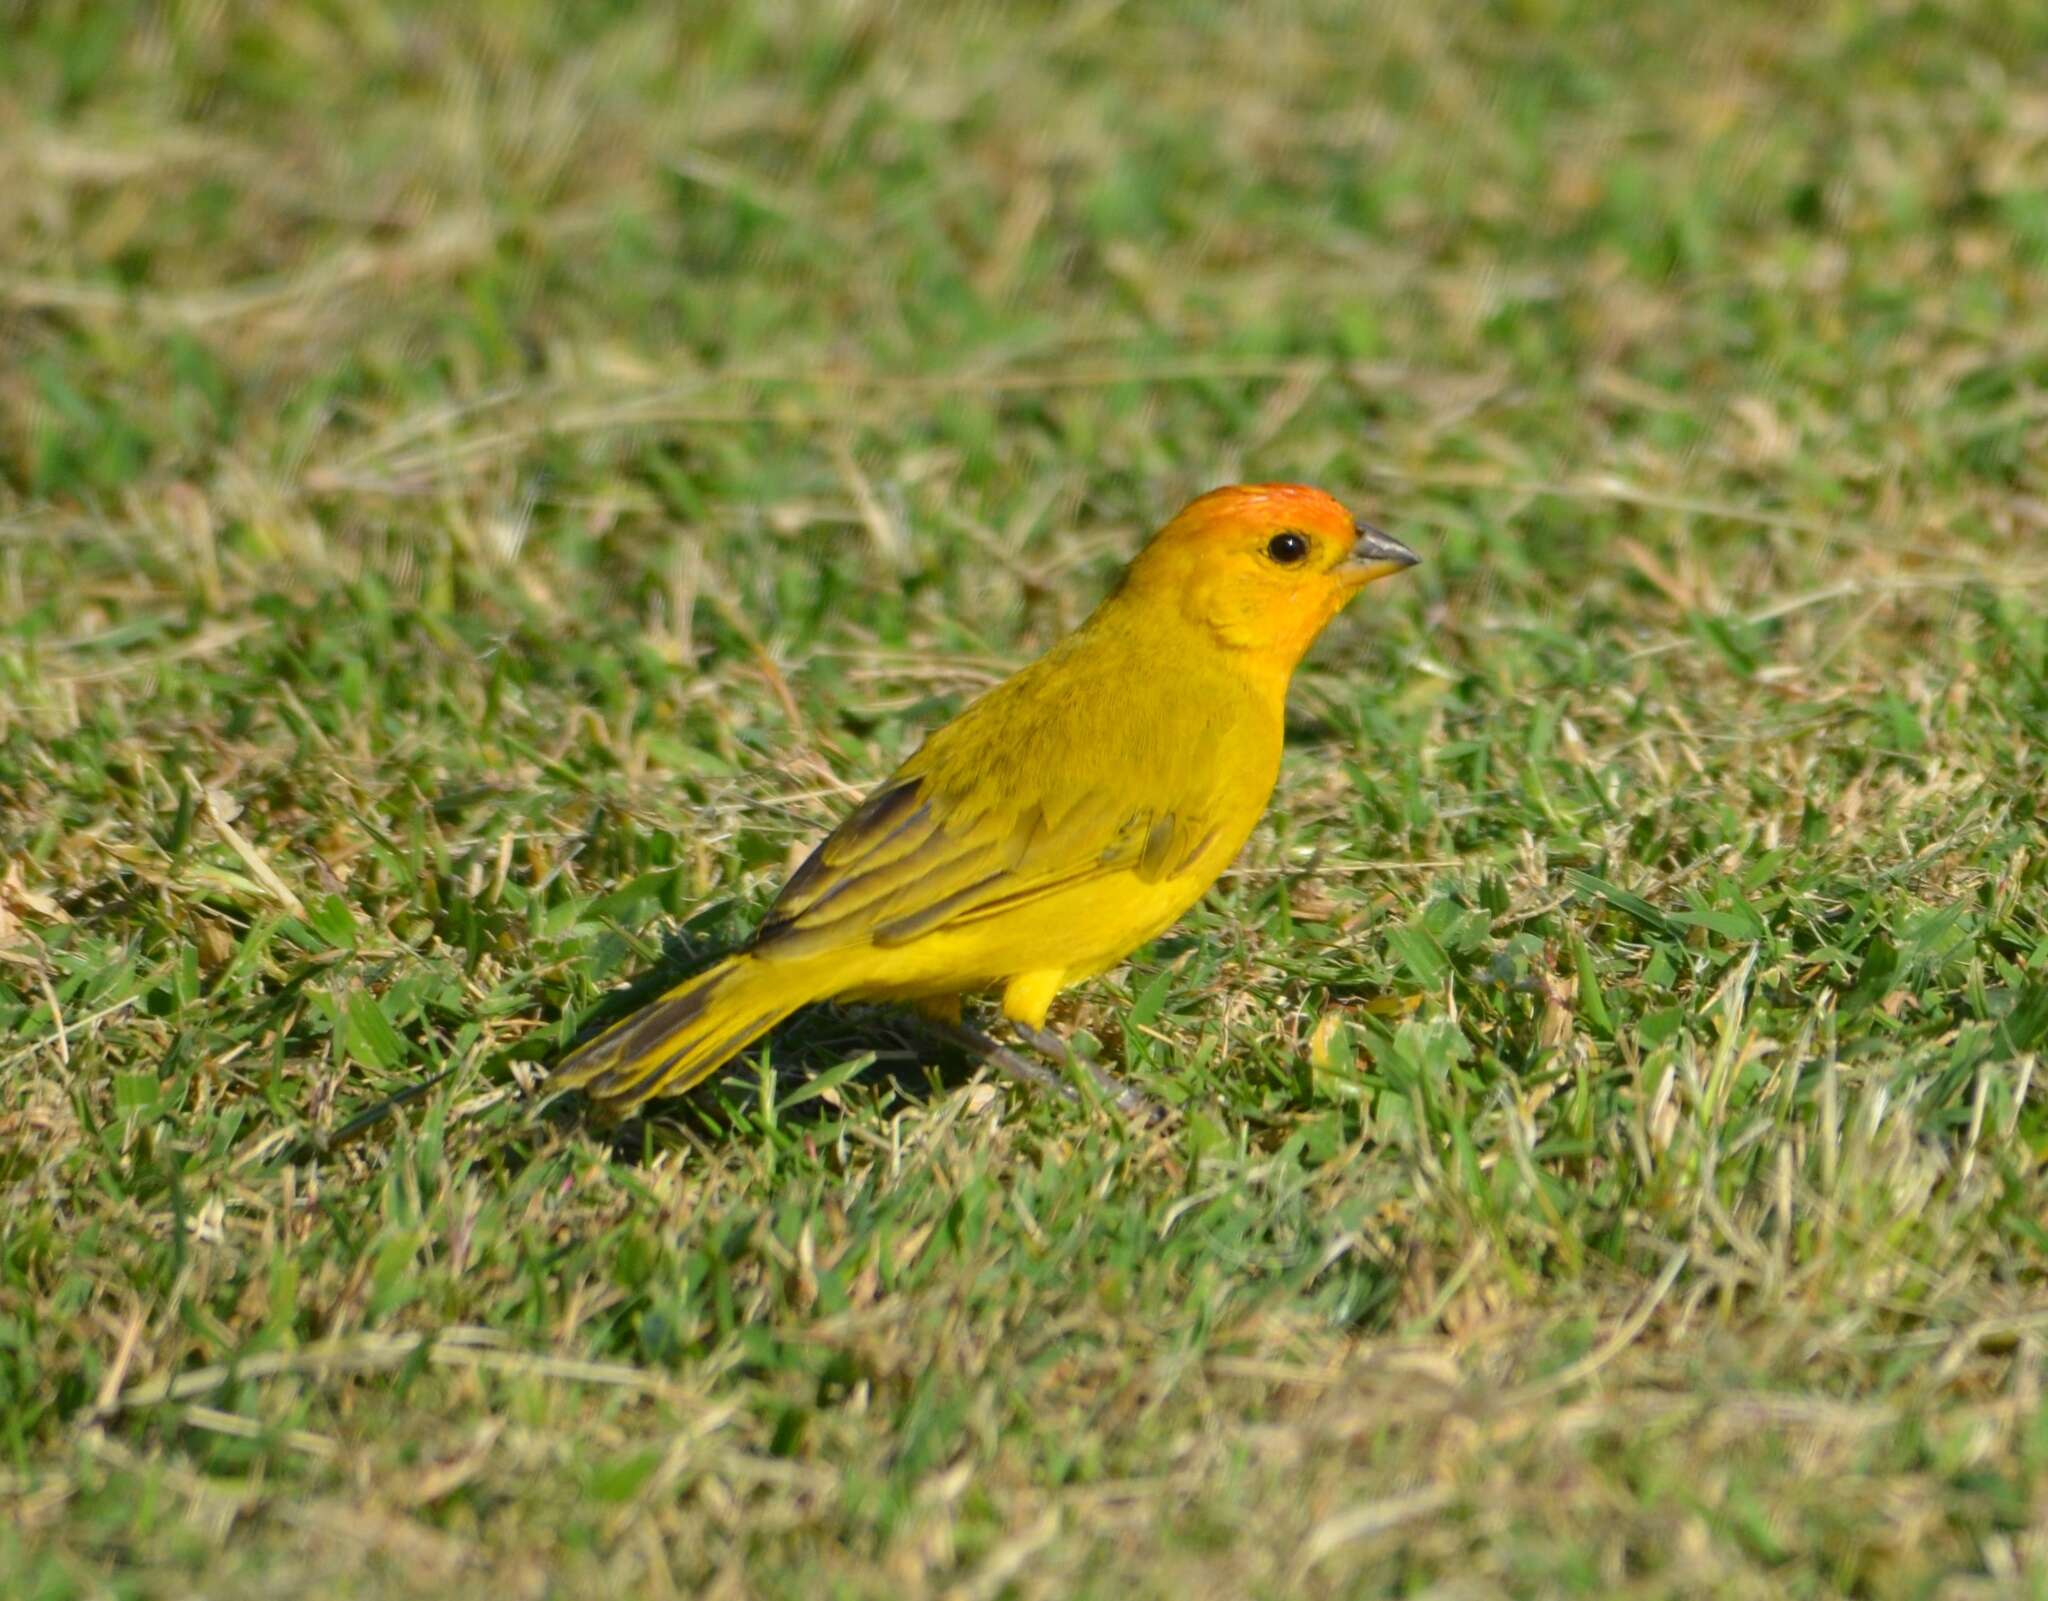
[1005, 1060]
[1125, 1096]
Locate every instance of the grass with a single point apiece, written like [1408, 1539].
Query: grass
[480, 490]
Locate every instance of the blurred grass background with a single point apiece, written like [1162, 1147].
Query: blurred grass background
[481, 488]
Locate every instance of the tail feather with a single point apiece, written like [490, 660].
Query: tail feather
[682, 1038]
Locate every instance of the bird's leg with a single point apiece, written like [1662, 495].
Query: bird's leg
[1005, 1060]
[1026, 997]
[1124, 1096]
[946, 1016]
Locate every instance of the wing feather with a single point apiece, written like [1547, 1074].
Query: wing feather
[945, 842]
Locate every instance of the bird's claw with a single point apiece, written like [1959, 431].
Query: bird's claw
[1125, 1098]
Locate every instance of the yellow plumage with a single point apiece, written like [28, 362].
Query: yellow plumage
[1064, 818]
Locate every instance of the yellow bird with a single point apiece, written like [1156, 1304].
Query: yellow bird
[1064, 818]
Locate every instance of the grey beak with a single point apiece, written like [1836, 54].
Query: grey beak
[1377, 549]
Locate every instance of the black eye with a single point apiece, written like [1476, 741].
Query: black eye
[1288, 548]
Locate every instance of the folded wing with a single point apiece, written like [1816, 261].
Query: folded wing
[923, 856]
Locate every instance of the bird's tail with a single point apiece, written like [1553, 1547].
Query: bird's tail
[683, 1037]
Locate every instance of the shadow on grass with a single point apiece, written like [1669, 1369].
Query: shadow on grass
[911, 1066]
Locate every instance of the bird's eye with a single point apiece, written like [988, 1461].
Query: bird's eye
[1287, 548]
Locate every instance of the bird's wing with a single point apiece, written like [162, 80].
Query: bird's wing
[922, 854]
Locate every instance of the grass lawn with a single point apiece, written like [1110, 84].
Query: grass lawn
[483, 488]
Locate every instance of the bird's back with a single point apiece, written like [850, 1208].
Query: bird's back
[1069, 814]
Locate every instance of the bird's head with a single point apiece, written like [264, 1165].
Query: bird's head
[1263, 566]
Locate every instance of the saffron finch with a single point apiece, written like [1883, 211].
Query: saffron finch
[1065, 817]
